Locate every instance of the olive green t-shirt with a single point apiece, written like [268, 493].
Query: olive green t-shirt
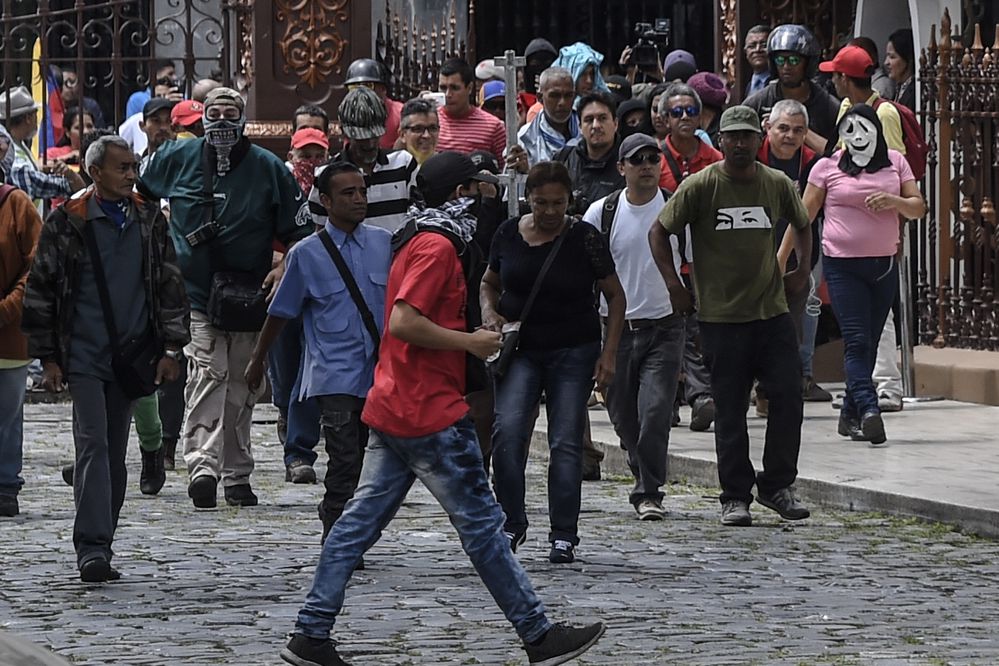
[732, 223]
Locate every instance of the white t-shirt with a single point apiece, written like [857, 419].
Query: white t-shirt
[133, 134]
[644, 288]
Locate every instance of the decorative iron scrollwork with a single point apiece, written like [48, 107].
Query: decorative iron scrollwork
[312, 46]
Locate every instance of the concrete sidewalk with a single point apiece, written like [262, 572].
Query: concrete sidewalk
[941, 462]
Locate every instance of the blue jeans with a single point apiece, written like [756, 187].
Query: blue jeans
[449, 464]
[566, 376]
[861, 291]
[302, 416]
[12, 383]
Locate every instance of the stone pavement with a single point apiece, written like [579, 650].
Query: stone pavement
[223, 586]
[941, 462]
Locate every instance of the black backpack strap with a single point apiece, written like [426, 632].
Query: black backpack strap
[608, 211]
[102, 285]
[355, 291]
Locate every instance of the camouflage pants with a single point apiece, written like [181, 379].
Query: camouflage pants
[216, 431]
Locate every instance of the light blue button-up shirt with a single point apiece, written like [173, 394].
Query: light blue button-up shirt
[339, 355]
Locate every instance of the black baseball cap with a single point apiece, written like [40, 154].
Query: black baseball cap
[443, 172]
[155, 105]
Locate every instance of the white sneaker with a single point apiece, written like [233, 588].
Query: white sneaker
[889, 402]
[650, 509]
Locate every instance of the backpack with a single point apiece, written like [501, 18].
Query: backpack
[5, 190]
[610, 209]
[916, 148]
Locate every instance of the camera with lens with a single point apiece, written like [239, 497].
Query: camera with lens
[652, 39]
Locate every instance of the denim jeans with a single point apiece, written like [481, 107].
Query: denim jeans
[861, 291]
[12, 384]
[736, 354]
[640, 400]
[449, 464]
[346, 438]
[302, 416]
[566, 376]
[102, 417]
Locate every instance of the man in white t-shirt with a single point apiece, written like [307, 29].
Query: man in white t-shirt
[640, 399]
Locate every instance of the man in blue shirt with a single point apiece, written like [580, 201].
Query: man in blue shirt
[340, 349]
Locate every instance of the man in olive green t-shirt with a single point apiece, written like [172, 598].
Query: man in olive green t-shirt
[732, 208]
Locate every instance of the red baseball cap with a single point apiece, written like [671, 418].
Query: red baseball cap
[309, 136]
[850, 61]
[187, 112]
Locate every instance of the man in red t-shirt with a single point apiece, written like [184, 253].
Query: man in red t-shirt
[465, 127]
[420, 429]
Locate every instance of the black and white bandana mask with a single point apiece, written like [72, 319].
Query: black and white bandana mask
[864, 145]
[223, 135]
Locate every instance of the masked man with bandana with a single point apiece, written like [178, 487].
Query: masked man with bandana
[864, 188]
[227, 223]
[420, 429]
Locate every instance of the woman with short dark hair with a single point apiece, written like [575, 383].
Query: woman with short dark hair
[559, 350]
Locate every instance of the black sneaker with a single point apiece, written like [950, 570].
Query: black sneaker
[702, 414]
[304, 651]
[96, 570]
[873, 428]
[785, 503]
[812, 392]
[169, 454]
[202, 491]
[849, 426]
[299, 471]
[563, 552]
[591, 472]
[735, 513]
[67, 474]
[153, 474]
[516, 540]
[8, 506]
[562, 643]
[241, 495]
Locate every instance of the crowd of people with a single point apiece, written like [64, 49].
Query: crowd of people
[669, 248]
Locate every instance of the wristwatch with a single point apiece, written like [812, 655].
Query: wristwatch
[174, 354]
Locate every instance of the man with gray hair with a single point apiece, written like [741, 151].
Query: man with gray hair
[229, 201]
[755, 48]
[784, 149]
[103, 287]
[551, 129]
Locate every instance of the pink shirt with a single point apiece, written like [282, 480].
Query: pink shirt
[851, 229]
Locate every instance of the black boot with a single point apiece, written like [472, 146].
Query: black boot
[153, 474]
[169, 454]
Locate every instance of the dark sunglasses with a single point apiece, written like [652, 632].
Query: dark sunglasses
[791, 60]
[644, 158]
[678, 111]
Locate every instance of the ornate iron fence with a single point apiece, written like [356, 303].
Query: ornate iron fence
[958, 275]
[111, 44]
[412, 55]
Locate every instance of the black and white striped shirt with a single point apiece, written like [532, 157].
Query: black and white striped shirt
[388, 185]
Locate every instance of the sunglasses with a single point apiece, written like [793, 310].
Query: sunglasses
[644, 158]
[791, 60]
[678, 111]
[361, 84]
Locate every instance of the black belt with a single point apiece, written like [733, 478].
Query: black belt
[638, 324]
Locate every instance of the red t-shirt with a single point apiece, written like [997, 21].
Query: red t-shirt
[476, 131]
[419, 391]
[704, 156]
[392, 124]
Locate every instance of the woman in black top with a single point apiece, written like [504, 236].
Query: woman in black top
[560, 348]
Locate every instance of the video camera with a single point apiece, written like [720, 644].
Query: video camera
[652, 38]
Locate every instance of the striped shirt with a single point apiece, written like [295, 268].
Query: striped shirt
[476, 131]
[388, 185]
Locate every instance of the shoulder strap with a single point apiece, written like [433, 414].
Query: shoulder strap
[207, 183]
[355, 291]
[608, 211]
[102, 284]
[544, 270]
[673, 166]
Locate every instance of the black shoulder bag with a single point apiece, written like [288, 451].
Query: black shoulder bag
[500, 363]
[236, 301]
[355, 291]
[133, 362]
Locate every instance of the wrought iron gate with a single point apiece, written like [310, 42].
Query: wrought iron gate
[112, 44]
[958, 276]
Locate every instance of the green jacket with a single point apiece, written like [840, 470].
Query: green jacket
[50, 295]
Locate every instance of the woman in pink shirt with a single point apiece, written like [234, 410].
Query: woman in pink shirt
[864, 187]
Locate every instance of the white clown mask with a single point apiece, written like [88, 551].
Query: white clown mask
[860, 138]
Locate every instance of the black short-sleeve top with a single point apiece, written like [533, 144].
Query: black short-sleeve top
[564, 313]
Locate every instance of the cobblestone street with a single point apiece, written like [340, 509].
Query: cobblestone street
[223, 586]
